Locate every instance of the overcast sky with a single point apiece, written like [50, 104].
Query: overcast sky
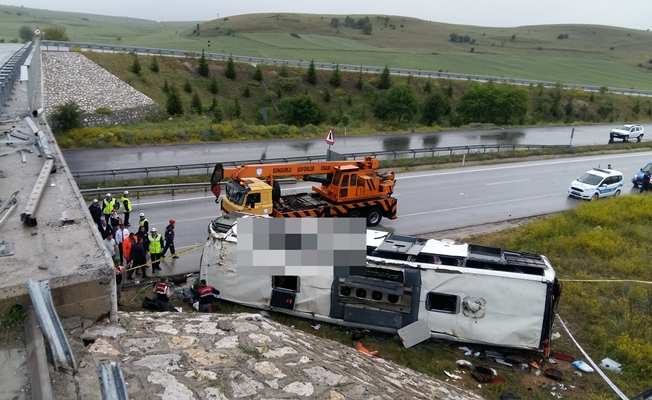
[636, 14]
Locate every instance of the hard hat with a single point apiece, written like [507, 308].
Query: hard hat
[126, 192]
[153, 229]
[108, 195]
[172, 221]
[142, 214]
[95, 201]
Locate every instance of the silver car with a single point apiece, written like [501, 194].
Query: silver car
[627, 131]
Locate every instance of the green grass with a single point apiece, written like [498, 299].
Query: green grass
[586, 57]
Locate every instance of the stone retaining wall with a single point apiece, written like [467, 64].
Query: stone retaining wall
[119, 117]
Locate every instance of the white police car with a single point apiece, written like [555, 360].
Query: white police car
[597, 183]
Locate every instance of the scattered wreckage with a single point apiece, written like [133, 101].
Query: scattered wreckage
[418, 288]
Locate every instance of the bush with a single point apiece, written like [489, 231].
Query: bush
[104, 111]
[230, 72]
[66, 117]
[301, 110]
[288, 84]
[153, 66]
[135, 66]
[296, 35]
[187, 87]
[258, 73]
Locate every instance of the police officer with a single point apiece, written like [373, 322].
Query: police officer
[143, 222]
[109, 204]
[126, 204]
[169, 239]
[163, 294]
[206, 295]
[96, 212]
[155, 248]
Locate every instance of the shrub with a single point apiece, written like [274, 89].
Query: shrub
[258, 73]
[187, 87]
[153, 66]
[230, 72]
[104, 111]
[288, 84]
[336, 77]
[66, 117]
[195, 104]
[296, 35]
[135, 66]
[212, 87]
[247, 92]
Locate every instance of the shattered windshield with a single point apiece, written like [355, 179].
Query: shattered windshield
[590, 179]
[236, 193]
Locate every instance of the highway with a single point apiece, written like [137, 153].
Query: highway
[428, 201]
[150, 156]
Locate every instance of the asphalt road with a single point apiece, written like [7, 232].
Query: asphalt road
[428, 201]
[150, 156]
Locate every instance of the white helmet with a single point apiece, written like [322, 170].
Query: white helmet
[126, 192]
[142, 214]
[153, 229]
[108, 195]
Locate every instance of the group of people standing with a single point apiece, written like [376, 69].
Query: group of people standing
[129, 249]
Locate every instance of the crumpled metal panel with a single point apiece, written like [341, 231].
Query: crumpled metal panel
[112, 382]
[39, 293]
[6, 248]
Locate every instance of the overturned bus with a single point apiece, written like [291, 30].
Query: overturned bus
[460, 292]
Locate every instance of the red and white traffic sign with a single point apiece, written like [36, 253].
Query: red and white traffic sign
[37, 31]
[330, 137]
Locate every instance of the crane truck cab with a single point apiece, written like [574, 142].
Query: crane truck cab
[248, 195]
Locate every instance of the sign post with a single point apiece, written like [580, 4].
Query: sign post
[330, 139]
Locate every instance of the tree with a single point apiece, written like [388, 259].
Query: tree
[384, 82]
[327, 96]
[258, 73]
[135, 66]
[195, 104]
[26, 33]
[56, 33]
[187, 87]
[247, 92]
[283, 73]
[311, 77]
[335, 22]
[212, 87]
[153, 66]
[202, 66]
[434, 108]
[237, 110]
[166, 87]
[359, 83]
[336, 78]
[402, 101]
[66, 116]
[197, 29]
[218, 115]
[301, 110]
[427, 88]
[173, 104]
[366, 29]
[213, 104]
[501, 104]
[229, 72]
[349, 101]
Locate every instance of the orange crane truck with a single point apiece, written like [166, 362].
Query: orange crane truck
[353, 189]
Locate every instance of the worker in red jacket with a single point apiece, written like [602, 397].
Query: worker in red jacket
[206, 296]
[163, 294]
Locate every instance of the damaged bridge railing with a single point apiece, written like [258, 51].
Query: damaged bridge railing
[207, 168]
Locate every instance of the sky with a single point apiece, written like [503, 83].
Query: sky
[634, 14]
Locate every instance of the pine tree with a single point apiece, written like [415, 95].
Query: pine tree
[336, 78]
[212, 87]
[166, 87]
[312, 74]
[195, 104]
[217, 113]
[384, 82]
[213, 104]
[428, 86]
[237, 110]
[247, 92]
[173, 104]
[229, 72]
[283, 73]
[154, 67]
[258, 73]
[187, 87]
[327, 96]
[135, 66]
[359, 83]
[202, 67]
[349, 101]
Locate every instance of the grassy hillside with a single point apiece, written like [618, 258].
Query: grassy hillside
[596, 55]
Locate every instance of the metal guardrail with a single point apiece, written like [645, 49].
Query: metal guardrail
[396, 154]
[10, 72]
[39, 293]
[328, 66]
[165, 188]
[112, 381]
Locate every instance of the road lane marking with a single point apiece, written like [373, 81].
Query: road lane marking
[502, 183]
[483, 204]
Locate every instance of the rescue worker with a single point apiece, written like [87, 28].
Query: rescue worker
[206, 296]
[109, 204]
[155, 247]
[126, 207]
[169, 240]
[143, 222]
[138, 257]
[96, 212]
[127, 244]
[121, 235]
[163, 294]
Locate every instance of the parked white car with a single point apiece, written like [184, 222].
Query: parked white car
[597, 183]
[627, 131]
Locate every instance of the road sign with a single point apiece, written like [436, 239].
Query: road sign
[37, 31]
[330, 137]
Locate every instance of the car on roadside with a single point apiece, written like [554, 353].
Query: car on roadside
[637, 180]
[597, 183]
[626, 131]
